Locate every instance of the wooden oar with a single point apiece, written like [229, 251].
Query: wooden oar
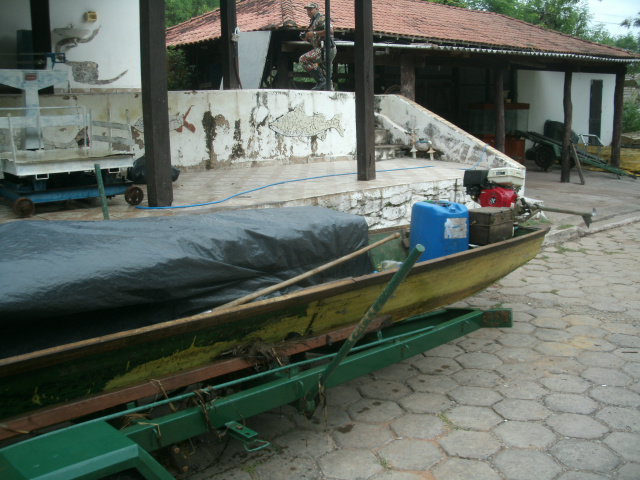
[293, 280]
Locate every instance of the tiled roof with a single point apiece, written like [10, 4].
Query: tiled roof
[418, 20]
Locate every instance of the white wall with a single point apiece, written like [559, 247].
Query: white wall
[246, 128]
[227, 129]
[115, 49]
[544, 92]
[451, 142]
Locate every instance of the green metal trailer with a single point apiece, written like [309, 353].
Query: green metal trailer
[95, 448]
[547, 151]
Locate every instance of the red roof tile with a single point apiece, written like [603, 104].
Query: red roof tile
[414, 19]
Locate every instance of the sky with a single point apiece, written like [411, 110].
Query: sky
[611, 12]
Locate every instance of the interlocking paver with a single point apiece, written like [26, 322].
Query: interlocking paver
[576, 426]
[476, 418]
[435, 365]
[555, 397]
[625, 444]
[570, 403]
[385, 390]
[432, 383]
[476, 378]
[522, 389]
[479, 396]
[620, 397]
[526, 465]
[565, 383]
[628, 471]
[418, 426]
[374, 411]
[516, 409]
[426, 403]
[524, 435]
[289, 468]
[480, 360]
[470, 445]
[350, 464]
[606, 376]
[410, 454]
[584, 455]
[457, 468]
[362, 435]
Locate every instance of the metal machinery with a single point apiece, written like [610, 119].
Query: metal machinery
[499, 187]
[123, 440]
[32, 172]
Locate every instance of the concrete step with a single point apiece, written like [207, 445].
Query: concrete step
[382, 136]
[388, 152]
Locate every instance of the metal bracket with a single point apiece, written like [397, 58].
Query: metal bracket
[246, 436]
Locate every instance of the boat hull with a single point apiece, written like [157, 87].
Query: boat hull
[135, 357]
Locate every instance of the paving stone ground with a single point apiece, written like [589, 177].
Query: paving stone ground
[556, 397]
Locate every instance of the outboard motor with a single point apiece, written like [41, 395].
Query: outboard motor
[494, 188]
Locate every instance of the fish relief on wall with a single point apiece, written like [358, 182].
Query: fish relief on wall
[176, 122]
[296, 123]
[84, 72]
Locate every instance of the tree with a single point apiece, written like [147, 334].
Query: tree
[566, 16]
[178, 11]
[631, 22]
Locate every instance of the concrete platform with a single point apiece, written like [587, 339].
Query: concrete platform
[335, 185]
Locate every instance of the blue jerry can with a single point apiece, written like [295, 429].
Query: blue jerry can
[441, 227]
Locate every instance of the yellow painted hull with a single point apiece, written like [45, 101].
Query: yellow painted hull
[144, 355]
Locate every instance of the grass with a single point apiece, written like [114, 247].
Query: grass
[384, 463]
[560, 249]
[565, 226]
[443, 416]
[535, 222]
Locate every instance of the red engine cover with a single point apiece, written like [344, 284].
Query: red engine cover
[497, 197]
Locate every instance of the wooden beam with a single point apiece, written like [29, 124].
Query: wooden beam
[408, 77]
[618, 101]
[230, 80]
[498, 100]
[155, 105]
[365, 123]
[565, 169]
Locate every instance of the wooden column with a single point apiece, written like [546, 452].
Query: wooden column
[498, 99]
[40, 27]
[408, 77]
[365, 123]
[283, 66]
[618, 100]
[229, 49]
[565, 169]
[155, 105]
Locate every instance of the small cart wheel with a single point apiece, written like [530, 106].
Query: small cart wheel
[134, 195]
[545, 157]
[24, 207]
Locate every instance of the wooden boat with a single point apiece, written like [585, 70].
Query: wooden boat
[69, 381]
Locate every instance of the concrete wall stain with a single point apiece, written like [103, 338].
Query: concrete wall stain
[210, 125]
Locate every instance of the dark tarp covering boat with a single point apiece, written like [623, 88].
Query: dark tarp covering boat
[65, 281]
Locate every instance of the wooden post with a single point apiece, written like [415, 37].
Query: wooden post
[155, 105]
[578, 166]
[498, 99]
[365, 123]
[565, 168]
[618, 101]
[408, 77]
[230, 80]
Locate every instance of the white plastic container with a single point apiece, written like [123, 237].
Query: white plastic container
[506, 176]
